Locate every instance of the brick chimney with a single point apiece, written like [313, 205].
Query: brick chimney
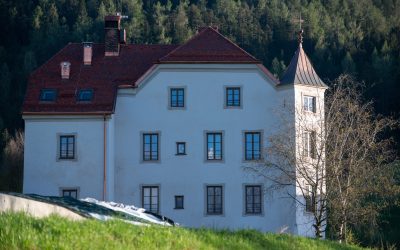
[65, 70]
[112, 27]
[87, 53]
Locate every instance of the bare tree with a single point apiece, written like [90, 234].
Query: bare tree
[335, 158]
[13, 157]
[360, 178]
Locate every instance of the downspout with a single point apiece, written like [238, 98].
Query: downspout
[104, 158]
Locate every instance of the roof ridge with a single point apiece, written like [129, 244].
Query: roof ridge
[234, 44]
[242, 53]
[44, 65]
[180, 45]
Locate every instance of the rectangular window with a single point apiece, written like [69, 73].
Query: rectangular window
[177, 98]
[180, 148]
[214, 146]
[252, 146]
[233, 96]
[309, 144]
[150, 147]
[309, 199]
[48, 95]
[85, 95]
[253, 199]
[214, 200]
[179, 202]
[309, 103]
[67, 147]
[73, 193]
[150, 198]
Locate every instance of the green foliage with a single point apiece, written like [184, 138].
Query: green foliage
[19, 231]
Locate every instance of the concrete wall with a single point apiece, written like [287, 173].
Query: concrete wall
[10, 203]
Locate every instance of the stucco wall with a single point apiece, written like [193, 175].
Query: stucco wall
[147, 111]
[44, 174]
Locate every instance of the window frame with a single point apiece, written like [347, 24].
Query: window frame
[172, 88]
[69, 189]
[226, 94]
[253, 132]
[59, 147]
[207, 211]
[142, 136]
[214, 133]
[309, 144]
[85, 101]
[309, 199]
[177, 148]
[42, 94]
[142, 188]
[183, 202]
[245, 203]
[306, 108]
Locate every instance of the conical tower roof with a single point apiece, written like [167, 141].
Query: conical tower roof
[300, 70]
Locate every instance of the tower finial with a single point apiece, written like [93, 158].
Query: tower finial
[300, 37]
[301, 31]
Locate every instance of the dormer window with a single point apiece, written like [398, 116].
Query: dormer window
[48, 95]
[85, 95]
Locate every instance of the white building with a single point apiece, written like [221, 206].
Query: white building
[165, 127]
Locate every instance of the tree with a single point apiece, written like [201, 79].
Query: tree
[13, 161]
[336, 160]
[278, 67]
[360, 178]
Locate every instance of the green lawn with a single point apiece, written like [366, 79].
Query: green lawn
[19, 231]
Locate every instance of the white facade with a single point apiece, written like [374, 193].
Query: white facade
[146, 109]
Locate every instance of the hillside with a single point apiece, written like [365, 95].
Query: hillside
[19, 231]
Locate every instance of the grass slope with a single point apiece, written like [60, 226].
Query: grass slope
[19, 231]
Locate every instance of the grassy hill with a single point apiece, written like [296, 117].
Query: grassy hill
[19, 231]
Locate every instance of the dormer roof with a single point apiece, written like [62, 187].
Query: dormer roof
[301, 71]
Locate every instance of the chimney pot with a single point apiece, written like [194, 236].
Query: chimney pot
[87, 53]
[65, 70]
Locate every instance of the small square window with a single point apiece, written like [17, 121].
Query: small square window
[177, 97]
[70, 192]
[179, 202]
[48, 95]
[232, 97]
[85, 95]
[181, 148]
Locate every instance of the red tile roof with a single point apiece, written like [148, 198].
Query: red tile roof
[106, 74]
[103, 76]
[208, 46]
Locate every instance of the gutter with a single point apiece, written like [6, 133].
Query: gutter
[104, 158]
